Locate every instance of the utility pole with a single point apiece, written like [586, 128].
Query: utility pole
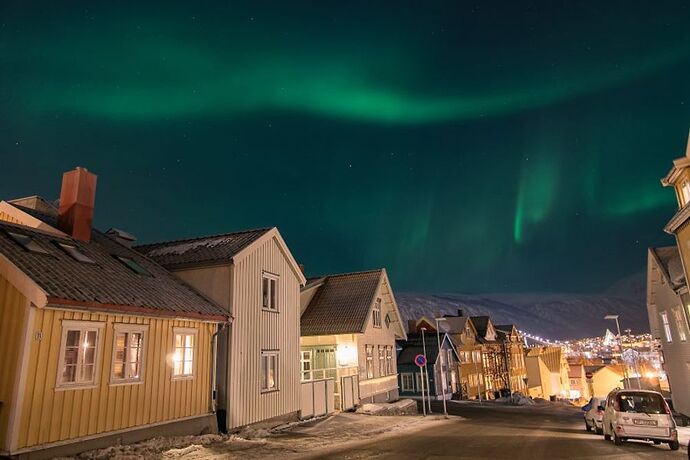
[426, 369]
[443, 373]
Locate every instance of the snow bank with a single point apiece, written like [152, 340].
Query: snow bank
[402, 407]
[172, 447]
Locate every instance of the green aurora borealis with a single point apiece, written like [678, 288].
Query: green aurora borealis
[470, 148]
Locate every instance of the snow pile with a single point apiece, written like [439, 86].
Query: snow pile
[176, 446]
[519, 399]
[402, 407]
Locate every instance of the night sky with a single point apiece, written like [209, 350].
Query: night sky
[467, 147]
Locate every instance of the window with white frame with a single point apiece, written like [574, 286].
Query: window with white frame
[389, 361]
[680, 322]
[79, 353]
[269, 289]
[419, 381]
[269, 370]
[667, 327]
[128, 353]
[407, 380]
[184, 351]
[370, 361]
[376, 314]
[382, 360]
[305, 362]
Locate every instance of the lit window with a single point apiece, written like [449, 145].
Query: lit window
[667, 327]
[132, 265]
[305, 361]
[376, 315]
[269, 292]
[75, 253]
[183, 355]
[407, 380]
[370, 361]
[680, 322]
[128, 353]
[27, 243]
[269, 370]
[78, 353]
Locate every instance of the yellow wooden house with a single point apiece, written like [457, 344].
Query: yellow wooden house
[99, 344]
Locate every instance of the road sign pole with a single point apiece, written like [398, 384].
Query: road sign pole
[420, 361]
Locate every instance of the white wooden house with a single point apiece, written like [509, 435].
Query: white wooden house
[349, 326]
[255, 277]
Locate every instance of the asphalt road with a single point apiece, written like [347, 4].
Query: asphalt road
[502, 432]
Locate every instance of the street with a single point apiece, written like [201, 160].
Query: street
[495, 432]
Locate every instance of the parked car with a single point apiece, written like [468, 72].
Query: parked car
[594, 414]
[639, 414]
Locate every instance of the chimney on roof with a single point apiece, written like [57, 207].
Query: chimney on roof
[301, 267]
[411, 326]
[77, 199]
[461, 312]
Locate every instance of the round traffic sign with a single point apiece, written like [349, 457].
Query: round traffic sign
[589, 375]
[420, 360]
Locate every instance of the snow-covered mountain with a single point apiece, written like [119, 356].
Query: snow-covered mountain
[555, 316]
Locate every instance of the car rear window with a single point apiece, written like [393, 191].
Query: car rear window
[648, 403]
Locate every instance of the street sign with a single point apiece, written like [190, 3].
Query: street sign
[420, 360]
[589, 375]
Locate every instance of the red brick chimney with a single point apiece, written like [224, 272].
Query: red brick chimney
[77, 199]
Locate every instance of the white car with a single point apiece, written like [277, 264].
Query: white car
[639, 414]
[594, 414]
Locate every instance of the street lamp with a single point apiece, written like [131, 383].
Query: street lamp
[443, 374]
[620, 345]
[426, 370]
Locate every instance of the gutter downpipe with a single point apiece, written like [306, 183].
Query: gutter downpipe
[214, 367]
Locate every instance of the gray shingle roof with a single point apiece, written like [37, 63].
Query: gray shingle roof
[199, 251]
[341, 304]
[106, 284]
[414, 346]
[481, 324]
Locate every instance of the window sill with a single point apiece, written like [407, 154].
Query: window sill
[181, 377]
[119, 383]
[86, 386]
[268, 310]
[275, 390]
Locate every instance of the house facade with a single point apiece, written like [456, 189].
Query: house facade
[254, 277]
[349, 325]
[547, 373]
[495, 365]
[99, 343]
[667, 293]
[442, 368]
[605, 378]
[668, 303]
[514, 351]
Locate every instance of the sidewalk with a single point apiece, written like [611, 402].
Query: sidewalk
[291, 441]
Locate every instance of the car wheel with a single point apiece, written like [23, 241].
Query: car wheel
[674, 445]
[607, 437]
[617, 440]
[587, 427]
[656, 443]
[600, 431]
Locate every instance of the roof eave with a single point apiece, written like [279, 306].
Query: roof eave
[678, 219]
[57, 302]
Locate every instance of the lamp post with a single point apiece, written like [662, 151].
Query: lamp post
[426, 371]
[620, 345]
[443, 373]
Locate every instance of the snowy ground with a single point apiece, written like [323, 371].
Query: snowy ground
[335, 432]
